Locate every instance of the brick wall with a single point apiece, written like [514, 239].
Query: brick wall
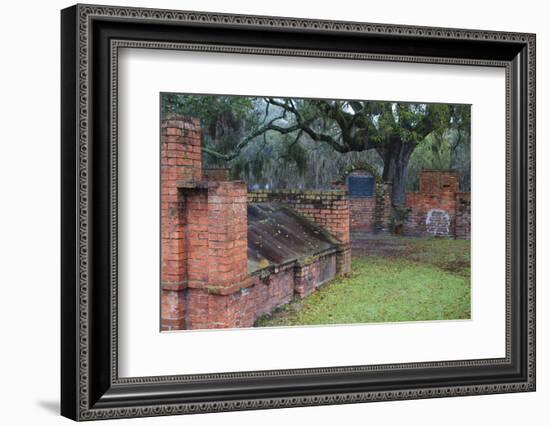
[328, 209]
[370, 214]
[276, 288]
[436, 181]
[430, 214]
[271, 291]
[434, 210]
[383, 208]
[362, 213]
[362, 209]
[216, 174]
[462, 225]
[264, 292]
[311, 275]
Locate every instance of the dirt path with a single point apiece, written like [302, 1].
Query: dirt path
[368, 244]
[447, 254]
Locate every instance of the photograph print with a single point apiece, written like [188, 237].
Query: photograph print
[279, 212]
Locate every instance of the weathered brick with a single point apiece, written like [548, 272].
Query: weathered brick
[436, 210]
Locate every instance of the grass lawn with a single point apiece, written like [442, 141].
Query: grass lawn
[406, 279]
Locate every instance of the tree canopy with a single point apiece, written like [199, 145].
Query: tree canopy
[306, 143]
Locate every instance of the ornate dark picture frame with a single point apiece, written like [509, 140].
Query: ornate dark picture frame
[91, 387]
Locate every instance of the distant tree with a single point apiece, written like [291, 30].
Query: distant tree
[224, 119]
[445, 149]
[267, 136]
[393, 129]
[460, 143]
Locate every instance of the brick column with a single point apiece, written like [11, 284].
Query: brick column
[180, 159]
[227, 237]
[383, 208]
[203, 235]
[217, 253]
[337, 222]
[462, 227]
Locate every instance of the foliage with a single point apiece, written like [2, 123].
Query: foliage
[424, 285]
[307, 143]
[208, 107]
[445, 150]
[224, 119]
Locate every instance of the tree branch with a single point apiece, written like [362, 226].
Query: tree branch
[294, 142]
[244, 142]
[301, 124]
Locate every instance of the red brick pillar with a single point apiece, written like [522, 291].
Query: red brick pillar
[462, 229]
[383, 208]
[227, 237]
[219, 257]
[196, 214]
[180, 159]
[204, 236]
[339, 225]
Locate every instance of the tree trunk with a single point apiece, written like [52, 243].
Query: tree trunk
[396, 157]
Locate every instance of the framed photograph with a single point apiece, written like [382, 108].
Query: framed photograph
[263, 212]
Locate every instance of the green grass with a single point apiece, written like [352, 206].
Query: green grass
[422, 279]
[447, 254]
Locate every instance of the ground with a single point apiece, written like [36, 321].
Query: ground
[393, 279]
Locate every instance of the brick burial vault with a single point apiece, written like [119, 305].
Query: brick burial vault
[229, 256]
